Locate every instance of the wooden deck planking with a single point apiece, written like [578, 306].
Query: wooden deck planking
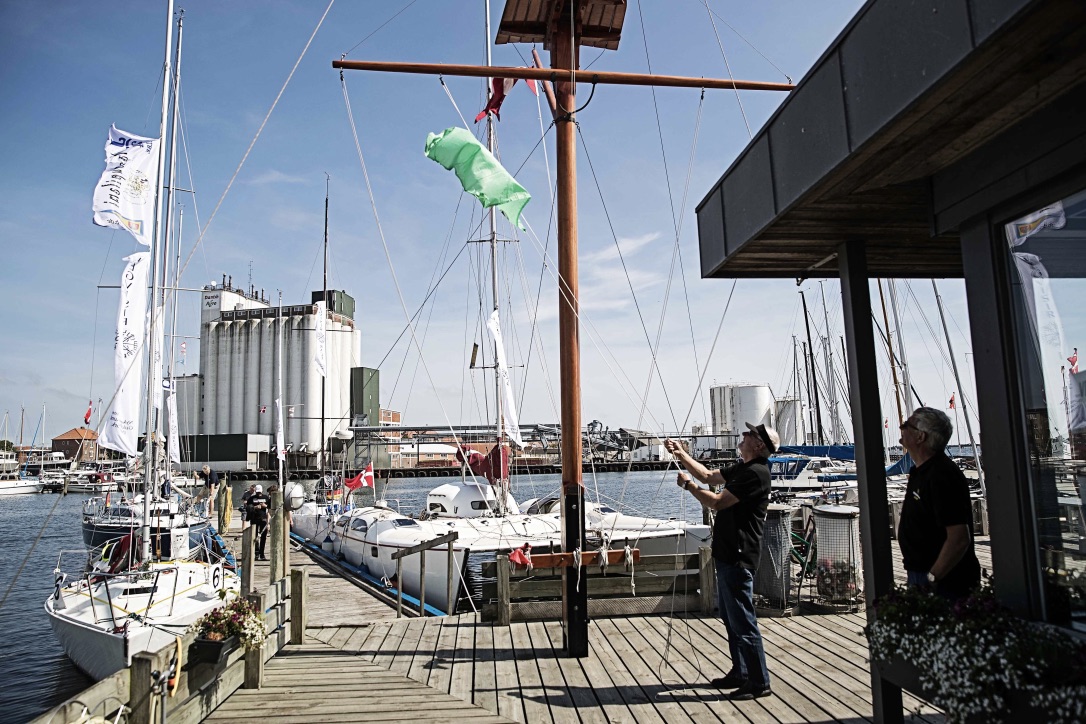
[508, 698]
[462, 676]
[625, 685]
[485, 685]
[595, 673]
[550, 673]
[581, 692]
[316, 682]
[533, 696]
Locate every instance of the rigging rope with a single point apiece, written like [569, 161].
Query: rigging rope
[727, 65]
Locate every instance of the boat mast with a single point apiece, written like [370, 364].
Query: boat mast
[279, 438]
[169, 228]
[958, 382]
[910, 404]
[327, 184]
[893, 362]
[831, 387]
[811, 368]
[156, 243]
[500, 478]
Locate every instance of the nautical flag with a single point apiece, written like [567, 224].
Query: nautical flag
[263, 409]
[1073, 359]
[122, 419]
[501, 88]
[886, 422]
[125, 195]
[363, 480]
[479, 172]
[87, 417]
[509, 412]
[951, 400]
[319, 354]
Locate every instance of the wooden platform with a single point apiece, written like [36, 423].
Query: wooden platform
[643, 669]
[315, 682]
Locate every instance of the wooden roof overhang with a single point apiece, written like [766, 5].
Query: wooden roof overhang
[865, 147]
[532, 21]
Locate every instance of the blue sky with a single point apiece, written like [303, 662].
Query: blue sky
[70, 69]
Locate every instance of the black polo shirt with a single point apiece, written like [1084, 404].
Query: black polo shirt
[737, 531]
[937, 496]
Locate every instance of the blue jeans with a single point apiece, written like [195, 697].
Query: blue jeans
[916, 579]
[735, 596]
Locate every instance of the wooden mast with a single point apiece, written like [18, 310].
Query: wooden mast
[562, 33]
[565, 55]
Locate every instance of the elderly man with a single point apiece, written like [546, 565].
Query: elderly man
[737, 543]
[211, 480]
[936, 529]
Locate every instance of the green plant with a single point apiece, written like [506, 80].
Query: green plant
[971, 654]
[237, 618]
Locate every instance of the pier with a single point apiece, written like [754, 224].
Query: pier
[348, 657]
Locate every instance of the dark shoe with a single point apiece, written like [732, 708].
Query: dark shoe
[731, 681]
[748, 691]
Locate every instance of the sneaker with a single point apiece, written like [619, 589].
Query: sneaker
[731, 681]
[749, 691]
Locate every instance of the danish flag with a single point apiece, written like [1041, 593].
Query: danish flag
[1073, 359]
[363, 480]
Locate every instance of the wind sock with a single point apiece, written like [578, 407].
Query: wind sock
[479, 172]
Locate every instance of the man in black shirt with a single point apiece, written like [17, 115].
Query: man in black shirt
[211, 480]
[257, 512]
[737, 542]
[936, 528]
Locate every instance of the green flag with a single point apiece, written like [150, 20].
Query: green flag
[479, 172]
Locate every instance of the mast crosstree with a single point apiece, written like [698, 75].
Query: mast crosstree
[560, 25]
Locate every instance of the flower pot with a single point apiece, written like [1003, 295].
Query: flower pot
[208, 651]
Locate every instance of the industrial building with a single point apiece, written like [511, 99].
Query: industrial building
[234, 394]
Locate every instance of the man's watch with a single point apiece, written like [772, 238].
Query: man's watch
[931, 578]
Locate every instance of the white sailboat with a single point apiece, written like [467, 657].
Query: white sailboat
[143, 590]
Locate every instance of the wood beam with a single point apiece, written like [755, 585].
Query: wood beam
[560, 75]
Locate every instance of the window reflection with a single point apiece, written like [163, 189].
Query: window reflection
[1049, 284]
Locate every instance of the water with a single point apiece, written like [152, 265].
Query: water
[36, 674]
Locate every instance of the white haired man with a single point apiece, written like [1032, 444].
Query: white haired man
[936, 529]
[737, 544]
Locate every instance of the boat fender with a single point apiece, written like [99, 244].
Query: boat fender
[58, 584]
[628, 557]
[603, 551]
[327, 545]
[577, 567]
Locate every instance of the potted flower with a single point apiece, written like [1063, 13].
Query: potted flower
[977, 661]
[223, 629]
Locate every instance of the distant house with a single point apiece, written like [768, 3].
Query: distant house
[79, 443]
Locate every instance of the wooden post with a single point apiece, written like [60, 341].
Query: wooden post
[422, 583]
[450, 606]
[505, 608]
[399, 587]
[275, 520]
[299, 592]
[565, 55]
[248, 559]
[254, 660]
[707, 579]
[139, 688]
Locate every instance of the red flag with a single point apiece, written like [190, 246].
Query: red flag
[951, 400]
[1073, 359]
[86, 417]
[501, 88]
[363, 480]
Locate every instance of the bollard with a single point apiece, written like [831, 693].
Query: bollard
[299, 592]
[139, 688]
[248, 559]
[707, 579]
[505, 607]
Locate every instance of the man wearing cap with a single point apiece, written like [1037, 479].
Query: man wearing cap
[257, 513]
[737, 543]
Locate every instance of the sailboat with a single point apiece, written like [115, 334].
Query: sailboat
[145, 588]
[14, 481]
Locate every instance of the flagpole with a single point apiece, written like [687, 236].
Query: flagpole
[279, 452]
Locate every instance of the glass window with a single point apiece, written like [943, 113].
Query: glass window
[1048, 279]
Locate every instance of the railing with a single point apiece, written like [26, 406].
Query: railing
[656, 584]
[420, 550]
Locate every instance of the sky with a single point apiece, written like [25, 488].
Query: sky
[70, 69]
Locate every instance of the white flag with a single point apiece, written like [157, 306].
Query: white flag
[280, 445]
[125, 195]
[172, 441]
[509, 413]
[122, 419]
[322, 333]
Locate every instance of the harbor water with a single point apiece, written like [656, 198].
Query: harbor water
[34, 529]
